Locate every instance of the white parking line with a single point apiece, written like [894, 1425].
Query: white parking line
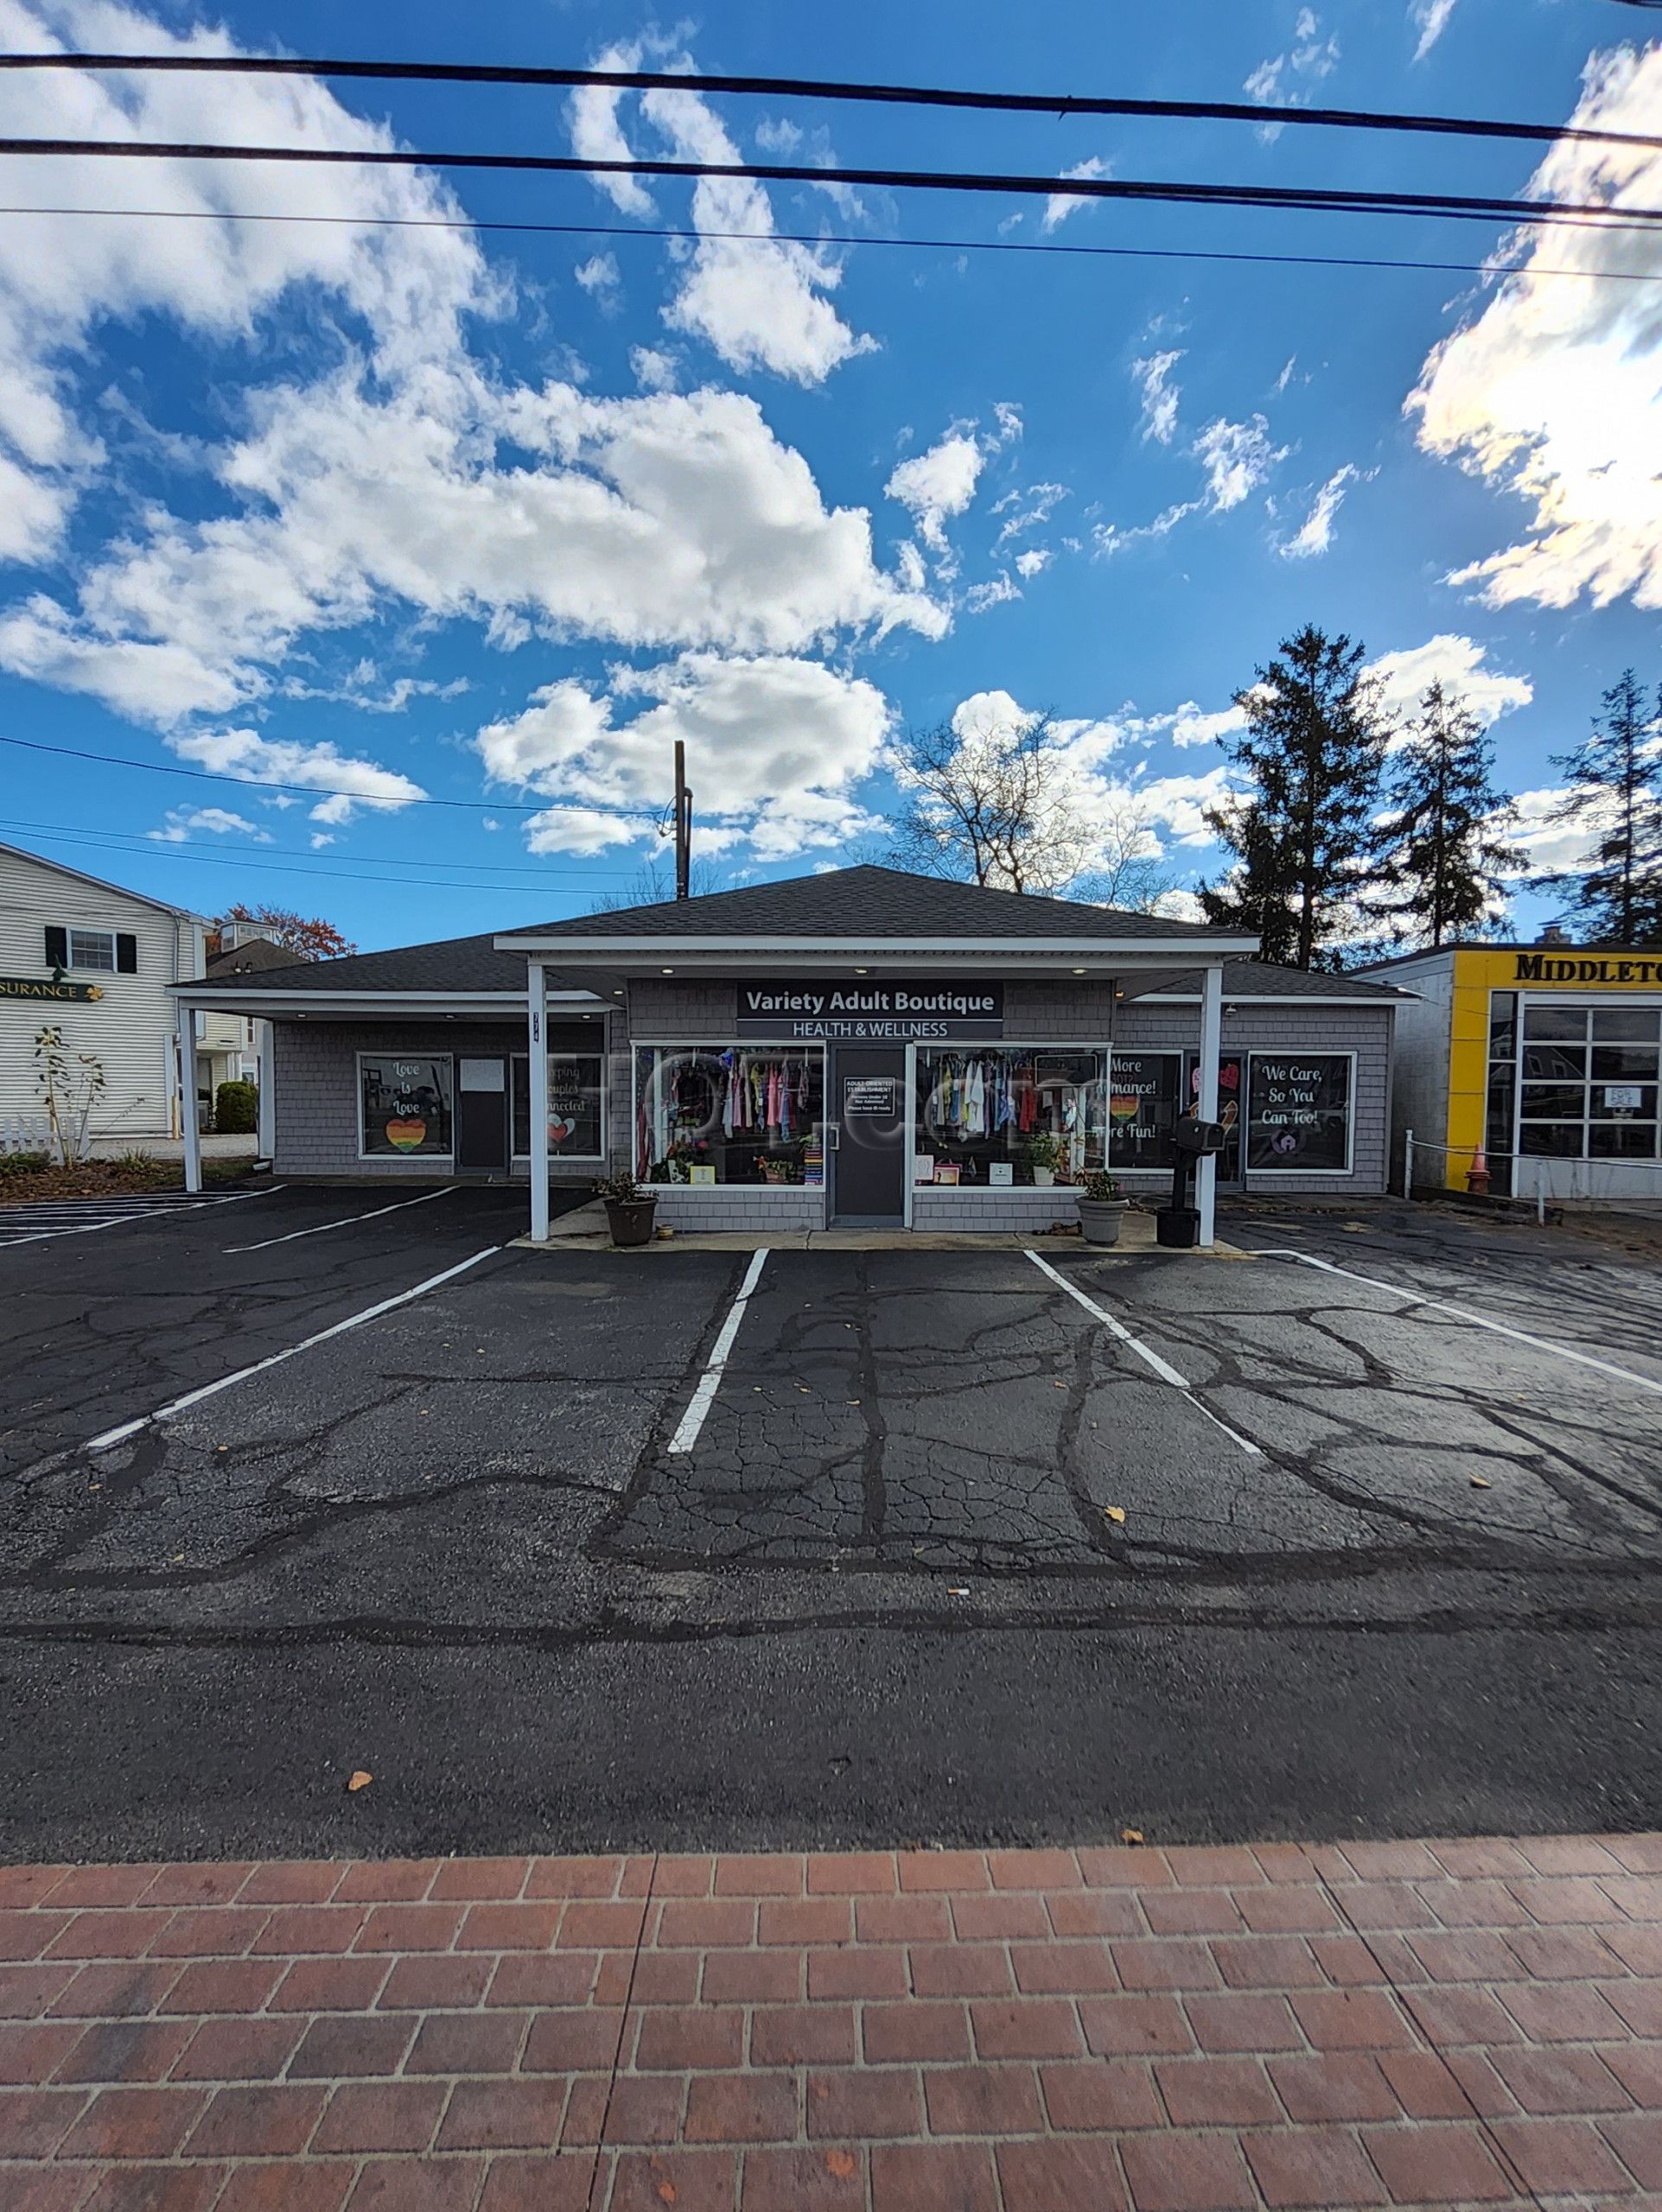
[143, 1213]
[354, 1321]
[699, 1405]
[345, 1222]
[1167, 1373]
[1465, 1314]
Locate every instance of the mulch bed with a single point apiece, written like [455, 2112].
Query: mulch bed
[97, 1179]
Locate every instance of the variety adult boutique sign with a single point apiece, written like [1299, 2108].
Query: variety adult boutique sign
[862, 1011]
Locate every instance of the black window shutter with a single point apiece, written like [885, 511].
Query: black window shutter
[126, 954]
[57, 947]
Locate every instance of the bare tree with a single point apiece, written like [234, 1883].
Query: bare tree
[1129, 871]
[653, 884]
[994, 805]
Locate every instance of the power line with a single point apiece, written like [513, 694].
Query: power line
[1489, 268]
[649, 815]
[1060, 104]
[1446, 206]
[137, 840]
[280, 868]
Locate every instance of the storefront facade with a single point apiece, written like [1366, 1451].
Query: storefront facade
[1546, 1058]
[856, 1049]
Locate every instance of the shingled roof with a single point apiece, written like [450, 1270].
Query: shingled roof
[874, 903]
[469, 964]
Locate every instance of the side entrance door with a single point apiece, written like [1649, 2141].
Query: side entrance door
[481, 1116]
[872, 1112]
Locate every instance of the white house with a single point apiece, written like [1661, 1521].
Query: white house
[96, 960]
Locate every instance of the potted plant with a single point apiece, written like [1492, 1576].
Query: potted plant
[629, 1210]
[1044, 1157]
[1102, 1208]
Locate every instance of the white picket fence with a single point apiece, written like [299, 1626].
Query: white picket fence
[25, 1133]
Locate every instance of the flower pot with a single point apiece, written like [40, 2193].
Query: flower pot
[1100, 1218]
[1043, 1178]
[631, 1224]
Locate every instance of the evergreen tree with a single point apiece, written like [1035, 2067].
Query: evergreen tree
[1302, 837]
[1441, 859]
[1613, 794]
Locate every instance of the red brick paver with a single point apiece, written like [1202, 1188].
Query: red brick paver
[1107, 2030]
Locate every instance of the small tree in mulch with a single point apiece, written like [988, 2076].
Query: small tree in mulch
[72, 1083]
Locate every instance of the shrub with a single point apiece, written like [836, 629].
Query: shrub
[236, 1109]
[23, 1163]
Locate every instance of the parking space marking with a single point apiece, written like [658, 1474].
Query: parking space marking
[276, 1359]
[72, 1227]
[704, 1398]
[1165, 1372]
[347, 1221]
[1465, 1314]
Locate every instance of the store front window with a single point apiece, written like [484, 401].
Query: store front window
[1590, 1080]
[575, 1129]
[404, 1102]
[719, 1114]
[1298, 1113]
[1143, 1095]
[997, 1118]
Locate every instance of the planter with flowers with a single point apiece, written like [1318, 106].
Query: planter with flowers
[629, 1210]
[1102, 1208]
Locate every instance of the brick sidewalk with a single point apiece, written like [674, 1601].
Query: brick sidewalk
[1185, 2031]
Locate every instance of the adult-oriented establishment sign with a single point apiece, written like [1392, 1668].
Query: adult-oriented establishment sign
[862, 1011]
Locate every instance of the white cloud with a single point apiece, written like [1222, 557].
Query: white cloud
[1032, 561]
[1008, 417]
[1315, 534]
[60, 277]
[997, 591]
[1061, 205]
[1028, 508]
[1431, 20]
[597, 135]
[777, 745]
[600, 278]
[349, 783]
[758, 301]
[1553, 393]
[1549, 846]
[654, 368]
[182, 822]
[1160, 395]
[1286, 80]
[940, 484]
[1107, 538]
[1237, 458]
[774, 134]
[1456, 662]
[1189, 726]
[660, 520]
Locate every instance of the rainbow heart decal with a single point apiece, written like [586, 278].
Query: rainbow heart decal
[405, 1136]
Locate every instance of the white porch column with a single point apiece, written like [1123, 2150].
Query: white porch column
[1212, 1038]
[188, 1130]
[267, 1138]
[537, 1026]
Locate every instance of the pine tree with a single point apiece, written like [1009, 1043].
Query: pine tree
[1614, 793]
[1303, 835]
[1441, 858]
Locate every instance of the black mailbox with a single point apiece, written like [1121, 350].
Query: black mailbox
[1193, 1141]
[1198, 1138]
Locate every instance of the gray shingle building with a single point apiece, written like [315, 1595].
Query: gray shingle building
[861, 1047]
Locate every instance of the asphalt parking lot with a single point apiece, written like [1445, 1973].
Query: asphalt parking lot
[579, 1549]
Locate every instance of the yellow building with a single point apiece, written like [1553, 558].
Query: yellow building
[1543, 1058]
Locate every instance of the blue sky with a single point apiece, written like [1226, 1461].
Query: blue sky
[492, 518]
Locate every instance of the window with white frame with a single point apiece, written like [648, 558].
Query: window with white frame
[1590, 1082]
[1003, 1116]
[94, 948]
[405, 1104]
[712, 1114]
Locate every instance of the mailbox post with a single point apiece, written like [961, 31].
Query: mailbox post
[1178, 1225]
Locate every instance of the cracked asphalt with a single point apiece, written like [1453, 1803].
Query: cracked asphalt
[887, 1596]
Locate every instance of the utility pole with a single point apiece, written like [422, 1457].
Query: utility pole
[682, 824]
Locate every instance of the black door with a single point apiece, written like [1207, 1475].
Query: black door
[869, 1105]
[481, 1114]
[1232, 1071]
